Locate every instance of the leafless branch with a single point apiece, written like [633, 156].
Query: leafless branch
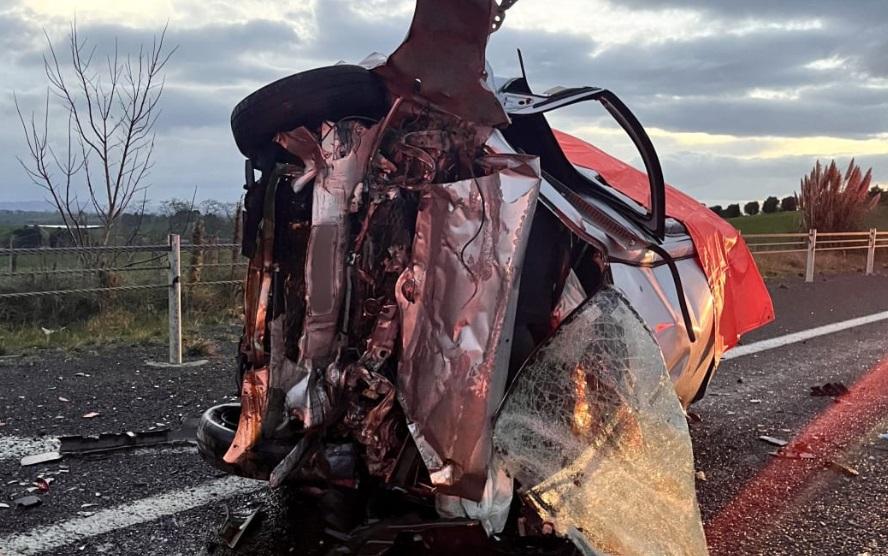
[107, 153]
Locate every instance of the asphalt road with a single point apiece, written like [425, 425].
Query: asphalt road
[167, 501]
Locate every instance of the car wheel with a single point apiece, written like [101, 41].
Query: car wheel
[306, 99]
[215, 433]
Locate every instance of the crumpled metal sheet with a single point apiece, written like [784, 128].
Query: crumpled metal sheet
[253, 403]
[594, 433]
[442, 60]
[457, 301]
[337, 164]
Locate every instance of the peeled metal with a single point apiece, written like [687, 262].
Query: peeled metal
[253, 403]
[338, 163]
[594, 433]
[442, 60]
[458, 299]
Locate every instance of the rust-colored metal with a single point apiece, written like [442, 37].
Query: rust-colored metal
[442, 60]
[249, 427]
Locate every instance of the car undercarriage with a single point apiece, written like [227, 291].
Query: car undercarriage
[446, 319]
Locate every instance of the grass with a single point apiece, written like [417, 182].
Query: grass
[774, 223]
[790, 222]
[121, 325]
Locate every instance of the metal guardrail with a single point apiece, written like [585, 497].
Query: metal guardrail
[171, 252]
[813, 242]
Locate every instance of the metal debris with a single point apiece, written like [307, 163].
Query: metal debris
[107, 442]
[234, 527]
[773, 440]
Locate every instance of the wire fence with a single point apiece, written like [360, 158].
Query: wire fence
[141, 267]
[813, 242]
[159, 267]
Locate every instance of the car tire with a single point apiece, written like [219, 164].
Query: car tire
[215, 433]
[306, 99]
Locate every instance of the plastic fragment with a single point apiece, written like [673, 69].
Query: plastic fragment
[27, 502]
[4, 505]
[842, 468]
[91, 414]
[773, 440]
[234, 527]
[64, 399]
[798, 450]
[833, 389]
[40, 458]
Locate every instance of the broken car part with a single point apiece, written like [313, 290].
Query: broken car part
[594, 433]
[440, 304]
[234, 527]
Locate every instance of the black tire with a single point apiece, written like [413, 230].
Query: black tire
[306, 98]
[215, 433]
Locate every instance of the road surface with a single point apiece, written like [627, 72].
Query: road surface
[167, 501]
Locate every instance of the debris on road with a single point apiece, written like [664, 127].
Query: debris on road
[842, 468]
[755, 400]
[831, 389]
[4, 506]
[43, 484]
[64, 399]
[106, 442]
[701, 475]
[91, 414]
[40, 458]
[773, 440]
[798, 450]
[27, 501]
[235, 526]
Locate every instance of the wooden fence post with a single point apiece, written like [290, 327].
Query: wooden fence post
[871, 252]
[812, 244]
[175, 301]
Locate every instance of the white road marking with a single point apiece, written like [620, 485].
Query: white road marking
[796, 337]
[15, 447]
[49, 537]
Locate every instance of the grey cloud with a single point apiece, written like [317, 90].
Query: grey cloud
[862, 23]
[716, 179]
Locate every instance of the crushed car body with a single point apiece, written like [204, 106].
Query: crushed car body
[440, 303]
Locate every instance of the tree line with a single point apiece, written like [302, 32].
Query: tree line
[772, 204]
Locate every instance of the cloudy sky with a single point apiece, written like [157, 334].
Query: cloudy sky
[740, 98]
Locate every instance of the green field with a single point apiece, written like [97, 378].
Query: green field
[790, 222]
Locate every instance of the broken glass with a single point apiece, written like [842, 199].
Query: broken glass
[594, 434]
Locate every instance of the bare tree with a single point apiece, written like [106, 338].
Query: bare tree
[112, 107]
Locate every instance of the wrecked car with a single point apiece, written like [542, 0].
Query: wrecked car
[451, 303]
